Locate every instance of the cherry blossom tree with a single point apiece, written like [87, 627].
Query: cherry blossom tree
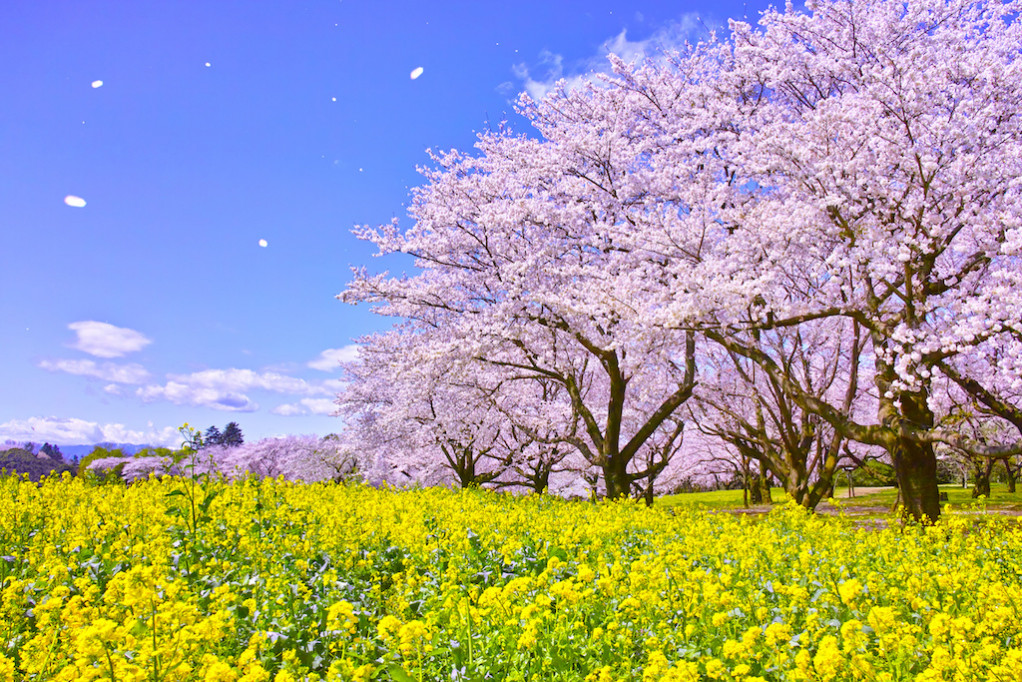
[985, 409]
[886, 139]
[865, 158]
[744, 407]
[418, 416]
[520, 271]
[538, 427]
[857, 162]
[297, 458]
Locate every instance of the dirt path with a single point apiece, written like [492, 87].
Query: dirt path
[860, 491]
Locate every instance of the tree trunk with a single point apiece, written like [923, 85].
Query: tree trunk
[1009, 475]
[755, 490]
[764, 484]
[915, 464]
[981, 480]
[916, 469]
[615, 477]
[746, 486]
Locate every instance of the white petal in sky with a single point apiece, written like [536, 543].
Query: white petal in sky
[72, 200]
[262, 243]
[416, 73]
[208, 64]
[97, 84]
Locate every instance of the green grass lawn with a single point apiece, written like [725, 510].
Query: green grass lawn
[715, 499]
[958, 496]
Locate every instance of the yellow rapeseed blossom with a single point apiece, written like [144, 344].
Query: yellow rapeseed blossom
[297, 583]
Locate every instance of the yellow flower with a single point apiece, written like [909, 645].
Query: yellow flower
[341, 616]
[255, 673]
[411, 635]
[732, 649]
[715, 669]
[388, 627]
[220, 672]
[828, 661]
[750, 636]
[849, 590]
[777, 634]
[6, 669]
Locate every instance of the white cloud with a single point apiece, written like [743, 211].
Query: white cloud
[330, 360]
[542, 77]
[105, 340]
[72, 431]
[552, 66]
[107, 371]
[186, 394]
[246, 379]
[288, 410]
[335, 385]
[321, 406]
[225, 389]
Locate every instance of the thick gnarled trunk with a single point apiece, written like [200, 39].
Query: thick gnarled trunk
[916, 469]
[981, 478]
[915, 464]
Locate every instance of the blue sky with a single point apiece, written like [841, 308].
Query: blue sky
[194, 130]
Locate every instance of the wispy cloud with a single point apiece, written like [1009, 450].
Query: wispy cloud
[105, 340]
[335, 385]
[107, 371]
[543, 75]
[320, 406]
[199, 396]
[330, 360]
[288, 410]
[245, 379]
[226, 389]
[72, 431]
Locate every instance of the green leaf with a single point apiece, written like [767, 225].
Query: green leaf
[398, 674]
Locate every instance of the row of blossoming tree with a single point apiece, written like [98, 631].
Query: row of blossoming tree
[801, 241]
[296, 458]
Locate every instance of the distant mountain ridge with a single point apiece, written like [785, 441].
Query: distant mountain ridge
[71, 451]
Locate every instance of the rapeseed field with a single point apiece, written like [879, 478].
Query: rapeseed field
[268, 580]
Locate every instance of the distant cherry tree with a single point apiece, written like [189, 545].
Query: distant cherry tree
[296, 458]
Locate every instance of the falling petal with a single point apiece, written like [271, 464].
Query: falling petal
[416, 73]
[262, 243]
[97, 84]
[72, 200]
[208, 64]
